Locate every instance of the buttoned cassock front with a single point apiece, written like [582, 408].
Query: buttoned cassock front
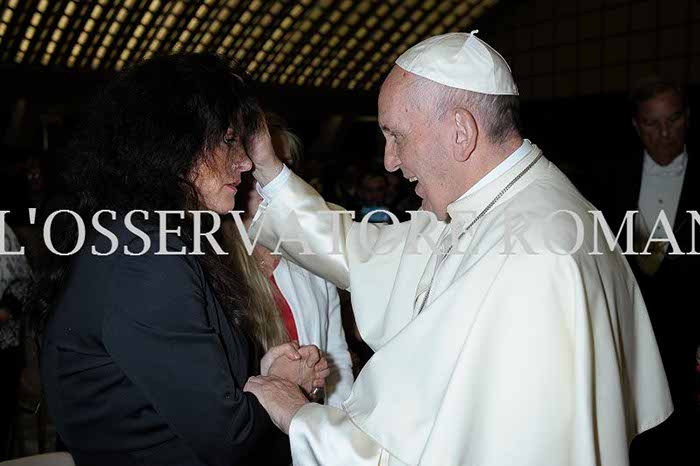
[521, 356]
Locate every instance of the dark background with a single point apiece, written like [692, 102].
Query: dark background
[575, 62]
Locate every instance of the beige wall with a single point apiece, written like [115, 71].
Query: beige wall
[566, 48]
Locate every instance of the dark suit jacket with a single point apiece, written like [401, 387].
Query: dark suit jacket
[141, 366]
[670, 293]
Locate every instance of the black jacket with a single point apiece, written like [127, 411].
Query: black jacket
[141, 366]
[669, 293]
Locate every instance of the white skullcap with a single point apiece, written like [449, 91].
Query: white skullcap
[460, 60]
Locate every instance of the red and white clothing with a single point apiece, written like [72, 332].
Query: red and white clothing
[310, 309]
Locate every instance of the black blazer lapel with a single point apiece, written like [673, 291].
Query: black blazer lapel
[688, 193]
[682, 227]
[636, 185]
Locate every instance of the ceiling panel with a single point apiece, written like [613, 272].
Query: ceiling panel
[340, 44]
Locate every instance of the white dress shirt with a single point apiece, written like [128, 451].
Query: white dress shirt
[660, 190]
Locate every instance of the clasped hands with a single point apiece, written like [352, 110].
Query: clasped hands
[287, 372]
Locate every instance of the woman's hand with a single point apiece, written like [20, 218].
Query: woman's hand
[280, 398]
[289, 350]
[309, 372]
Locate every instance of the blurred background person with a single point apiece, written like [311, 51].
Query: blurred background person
[293, 304]
[22, 187]
[663, 176]
[373, 195]
[346, 185]
[15, 281]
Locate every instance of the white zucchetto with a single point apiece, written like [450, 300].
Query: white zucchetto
[462, 61]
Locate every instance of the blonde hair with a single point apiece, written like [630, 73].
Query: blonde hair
[263, 318]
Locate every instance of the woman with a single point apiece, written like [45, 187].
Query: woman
[298, 305]
[145, 357]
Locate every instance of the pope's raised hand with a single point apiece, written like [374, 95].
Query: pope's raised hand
[262, 154]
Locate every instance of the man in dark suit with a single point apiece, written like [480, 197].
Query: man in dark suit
[661, 184]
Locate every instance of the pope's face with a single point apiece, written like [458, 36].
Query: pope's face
[662, 123]
[413, 142]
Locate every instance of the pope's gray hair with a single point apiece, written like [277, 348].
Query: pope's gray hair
[499, 115]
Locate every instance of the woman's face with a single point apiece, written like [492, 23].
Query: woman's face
[217, 178]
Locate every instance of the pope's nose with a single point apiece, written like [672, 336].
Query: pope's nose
[391, 161]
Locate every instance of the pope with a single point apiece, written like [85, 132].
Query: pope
[520, 349]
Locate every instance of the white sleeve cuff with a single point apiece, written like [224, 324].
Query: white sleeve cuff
[270, 189]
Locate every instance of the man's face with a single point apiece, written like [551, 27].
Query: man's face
[662, 123]
[413, 142]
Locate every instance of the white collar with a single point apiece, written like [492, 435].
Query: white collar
[501, 168]
[675, 168]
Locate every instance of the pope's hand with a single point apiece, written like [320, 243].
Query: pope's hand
[262, 154]
[309, 372]
[280, 398]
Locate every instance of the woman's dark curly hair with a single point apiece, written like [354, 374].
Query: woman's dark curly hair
[136, 149]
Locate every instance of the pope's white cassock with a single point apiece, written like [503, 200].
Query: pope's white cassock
[518, 358]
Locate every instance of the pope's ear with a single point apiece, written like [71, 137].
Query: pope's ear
[466, 133]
